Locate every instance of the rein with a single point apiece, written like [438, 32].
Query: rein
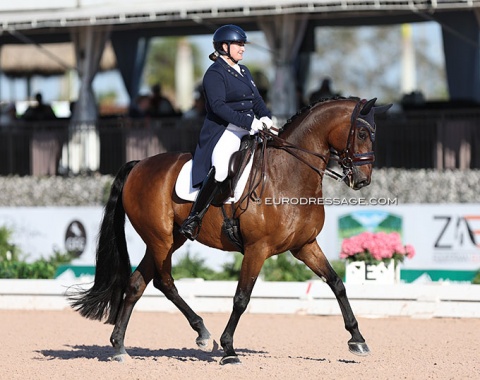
[347, 159]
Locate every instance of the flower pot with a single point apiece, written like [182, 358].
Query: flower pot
[359, 272]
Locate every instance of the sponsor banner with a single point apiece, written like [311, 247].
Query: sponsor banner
[445, 236]
[40, 231]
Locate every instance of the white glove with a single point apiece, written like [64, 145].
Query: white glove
[267, 121]
[256, 126]
[269, 124]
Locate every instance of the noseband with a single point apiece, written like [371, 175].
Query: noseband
[347, 158]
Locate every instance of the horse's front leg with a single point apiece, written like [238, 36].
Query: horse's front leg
[251, 266]
[315, 259]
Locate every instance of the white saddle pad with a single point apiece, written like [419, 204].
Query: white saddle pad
[185, 191]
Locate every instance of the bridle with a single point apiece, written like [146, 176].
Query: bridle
[346, 158]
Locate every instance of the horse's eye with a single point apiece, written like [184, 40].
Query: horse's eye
[362, 135]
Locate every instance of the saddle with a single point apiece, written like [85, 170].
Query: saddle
[237, 164]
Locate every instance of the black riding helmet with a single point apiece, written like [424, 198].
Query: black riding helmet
[228, 34]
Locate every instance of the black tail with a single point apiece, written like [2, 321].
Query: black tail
[113, 269]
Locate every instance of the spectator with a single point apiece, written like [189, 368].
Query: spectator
[40, 111]
[324, 92]
[160, 106]
[198, 109]
[300, 100]
[8, 114]
[140, 107]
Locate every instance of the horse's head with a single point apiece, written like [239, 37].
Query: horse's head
[355, 153]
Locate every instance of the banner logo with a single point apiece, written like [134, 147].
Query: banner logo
[75, 238]
[457, 238]
[357, 222]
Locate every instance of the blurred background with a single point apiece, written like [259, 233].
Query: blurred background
[79, 81]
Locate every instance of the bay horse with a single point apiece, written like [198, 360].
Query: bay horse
[293, 163]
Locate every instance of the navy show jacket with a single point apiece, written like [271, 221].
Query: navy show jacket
[230, 98]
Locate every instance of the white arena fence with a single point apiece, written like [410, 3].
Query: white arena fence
[432, 300]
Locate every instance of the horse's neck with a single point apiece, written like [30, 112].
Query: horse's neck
[301, 176]
[298, 178]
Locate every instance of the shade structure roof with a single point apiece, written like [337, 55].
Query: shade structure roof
[55, 59]
[48, 14]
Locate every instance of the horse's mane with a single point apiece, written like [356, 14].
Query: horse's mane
[305, 110]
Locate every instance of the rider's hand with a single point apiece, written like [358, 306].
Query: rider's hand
[267, 121]
[256, 126]
[269, 124]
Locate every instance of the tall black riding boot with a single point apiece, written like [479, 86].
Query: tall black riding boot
[191, 226]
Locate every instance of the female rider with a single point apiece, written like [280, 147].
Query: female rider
[234, 109]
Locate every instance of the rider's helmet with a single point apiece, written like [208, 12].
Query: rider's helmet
[228, 34]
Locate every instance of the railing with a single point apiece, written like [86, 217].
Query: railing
[441, 139]
[55, 148]
[429, 138]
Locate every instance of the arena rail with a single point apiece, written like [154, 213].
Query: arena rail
[430, 300]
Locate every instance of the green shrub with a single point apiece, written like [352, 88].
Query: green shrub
[285, 267]
[282, 267]
[192, 267]
[13, 265]
[8, 251]
[231, 270]
[476, 279]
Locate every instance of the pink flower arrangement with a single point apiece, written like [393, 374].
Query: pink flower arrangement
[376, 247]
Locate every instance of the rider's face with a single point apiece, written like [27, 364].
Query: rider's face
[236, 50]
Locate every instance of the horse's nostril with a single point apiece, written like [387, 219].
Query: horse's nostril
[362, 183]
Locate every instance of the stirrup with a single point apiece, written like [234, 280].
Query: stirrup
[190, 228]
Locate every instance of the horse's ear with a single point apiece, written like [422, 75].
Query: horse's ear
[382, 109]
[368, 106]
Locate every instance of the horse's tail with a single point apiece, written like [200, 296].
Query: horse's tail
[113, 269]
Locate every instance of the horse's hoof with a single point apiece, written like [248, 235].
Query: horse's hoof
[360, 349]
[207, 345]
[230, 360]
[122, 358]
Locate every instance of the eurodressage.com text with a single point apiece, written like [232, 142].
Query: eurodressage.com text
[303, 201]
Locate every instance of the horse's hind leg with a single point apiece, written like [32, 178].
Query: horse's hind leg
[136, 286]
[164, 282]
[315, 259]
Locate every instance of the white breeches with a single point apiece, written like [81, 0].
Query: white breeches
[228, 144]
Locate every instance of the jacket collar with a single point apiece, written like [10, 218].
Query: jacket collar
[234, 72]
